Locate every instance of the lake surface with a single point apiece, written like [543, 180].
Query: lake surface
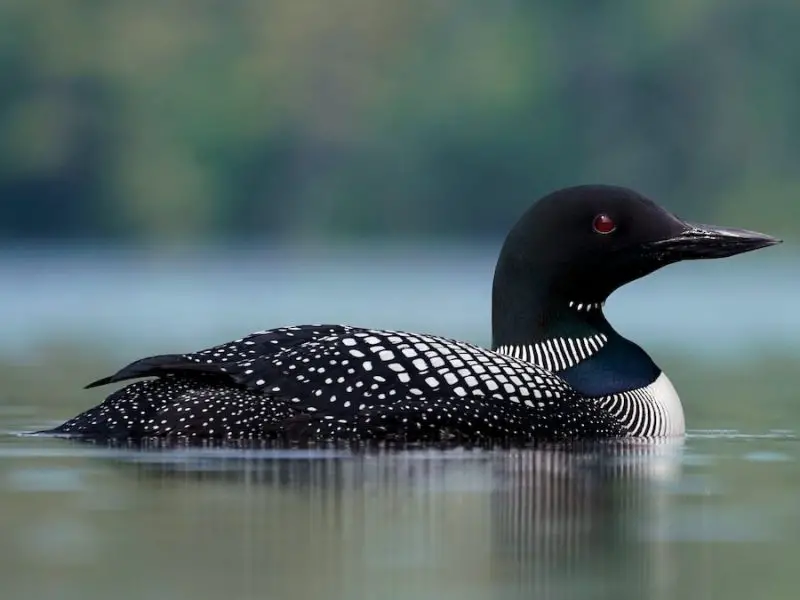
[716, 516]
[133, 302]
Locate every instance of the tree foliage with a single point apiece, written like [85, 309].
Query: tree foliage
[191, 119]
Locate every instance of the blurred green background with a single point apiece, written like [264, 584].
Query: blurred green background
[197, 120]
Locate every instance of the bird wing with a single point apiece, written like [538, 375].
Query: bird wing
[216, 360]
[360, 381]
[339, 380]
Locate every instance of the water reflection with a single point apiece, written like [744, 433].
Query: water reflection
[566, 523]
[548, 522]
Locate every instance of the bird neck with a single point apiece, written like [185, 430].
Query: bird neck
[566, 335]
[527, 307]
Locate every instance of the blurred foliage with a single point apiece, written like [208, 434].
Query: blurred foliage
[194, 119]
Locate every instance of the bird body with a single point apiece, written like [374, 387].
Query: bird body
[557, 369]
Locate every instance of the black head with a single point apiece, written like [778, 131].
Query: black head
[582, 243]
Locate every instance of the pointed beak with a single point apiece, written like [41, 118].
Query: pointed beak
[706, 241]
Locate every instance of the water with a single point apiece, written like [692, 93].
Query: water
[134, 303]
[716, 516]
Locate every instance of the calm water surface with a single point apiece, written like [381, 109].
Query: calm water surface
[138, 303]
[716, 516]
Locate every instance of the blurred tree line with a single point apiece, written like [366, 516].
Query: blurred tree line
[196, 119]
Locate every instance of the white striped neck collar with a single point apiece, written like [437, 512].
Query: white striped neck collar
[557, 353]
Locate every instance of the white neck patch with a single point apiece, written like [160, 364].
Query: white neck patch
[586, 306]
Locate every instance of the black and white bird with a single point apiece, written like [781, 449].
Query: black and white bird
[557, 369]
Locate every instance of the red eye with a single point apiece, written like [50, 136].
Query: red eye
[604, 224]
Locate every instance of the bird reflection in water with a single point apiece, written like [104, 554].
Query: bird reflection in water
[551, 522]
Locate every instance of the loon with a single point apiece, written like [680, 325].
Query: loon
[557, 369]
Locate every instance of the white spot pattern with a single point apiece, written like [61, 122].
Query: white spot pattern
[334, 381]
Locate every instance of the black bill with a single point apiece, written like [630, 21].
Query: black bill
[707, 241]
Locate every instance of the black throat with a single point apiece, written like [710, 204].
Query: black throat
[527, 311]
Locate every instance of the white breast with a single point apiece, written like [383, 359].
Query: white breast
[653, 411]
[668, 406]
